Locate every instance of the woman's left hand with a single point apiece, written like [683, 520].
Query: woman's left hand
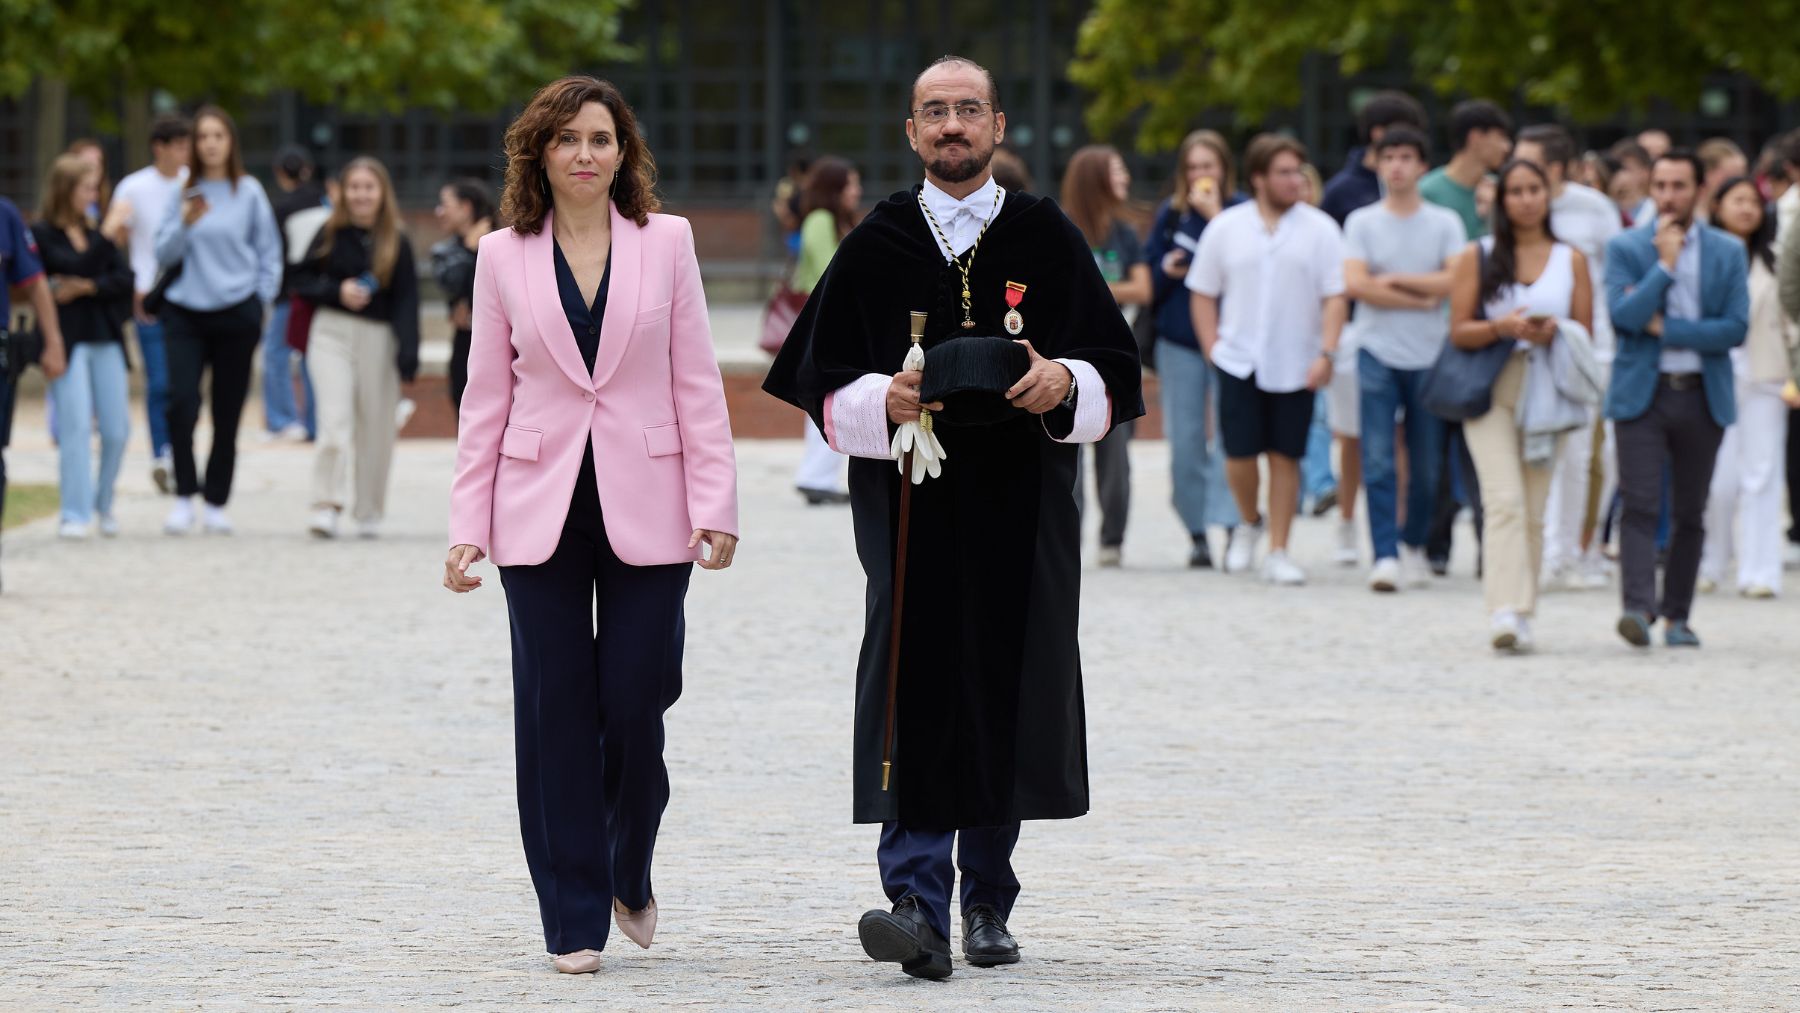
[723, 547]
[1540, 333]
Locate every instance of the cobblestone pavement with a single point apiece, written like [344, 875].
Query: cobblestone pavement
[268, 772]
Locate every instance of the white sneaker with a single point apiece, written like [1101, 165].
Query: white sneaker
[403, 412]
[1241, 553]
[1525, 641]
[370, 528]
[1415, 569]
[109, 525]
[1386, 575]
[162, 473]
[1348, 551]
[1596, 572]
[1279, 569]
[293, 432]
[74, 531]
[1758, 592]
[216, 522]
[1706, 585]
[1561, 577]
[1506, 630]
[1790, 558]
[1111, 557]
[324, 523]
[181, 517]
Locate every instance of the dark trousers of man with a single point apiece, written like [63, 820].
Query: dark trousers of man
[1454, 465]
[1112, 475]
[596, 647]
[918, 862]
[224, 342]
[1680, 430]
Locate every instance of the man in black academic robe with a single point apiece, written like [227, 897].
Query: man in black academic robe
[989, 716]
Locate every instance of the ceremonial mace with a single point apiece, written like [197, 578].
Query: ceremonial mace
[906, 484]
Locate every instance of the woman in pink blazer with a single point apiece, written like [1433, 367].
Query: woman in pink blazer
[593, 461]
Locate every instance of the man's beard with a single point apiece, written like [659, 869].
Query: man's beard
[961, 172]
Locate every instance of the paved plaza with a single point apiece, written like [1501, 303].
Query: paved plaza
[268, 772]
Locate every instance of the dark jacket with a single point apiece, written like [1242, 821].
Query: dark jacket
[99, 317]
[320, 277]
[1355, 186]
[1168, 296]
[307, 195]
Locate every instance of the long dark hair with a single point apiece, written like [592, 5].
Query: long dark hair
[476, 194]
[234, 162]
[1087, 192]
[1501, 267]
[823, 189]
[1761, 243]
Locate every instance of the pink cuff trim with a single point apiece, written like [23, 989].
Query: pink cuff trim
[1092, 404]
[856, 420]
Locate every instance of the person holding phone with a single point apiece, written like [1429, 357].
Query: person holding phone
[1205, 183]
[1527, 284]
[223, 241]
[591, 347]
[364, 344]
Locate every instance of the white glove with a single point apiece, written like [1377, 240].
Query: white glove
[928, 456]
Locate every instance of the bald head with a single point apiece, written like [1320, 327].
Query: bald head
[955, 67]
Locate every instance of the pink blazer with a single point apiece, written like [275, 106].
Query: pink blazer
[654, 405]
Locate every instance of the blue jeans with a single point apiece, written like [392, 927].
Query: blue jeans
[156, 386]
[1315, 468]
[279, 407]
[94, 388]
[1190, 406]
[1385, 392]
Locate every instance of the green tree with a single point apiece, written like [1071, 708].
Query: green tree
[373, 55]
[1171, 60]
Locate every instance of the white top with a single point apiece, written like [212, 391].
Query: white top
[1271, 288]
[1787, 208]
[1552, 294]
[1587, 219]
[1682, 301]
[962, 220]
[148, 194]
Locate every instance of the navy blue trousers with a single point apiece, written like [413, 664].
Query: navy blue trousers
[917, 862]
[596, 646]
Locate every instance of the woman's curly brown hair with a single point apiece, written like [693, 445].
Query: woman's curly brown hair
[526, 199]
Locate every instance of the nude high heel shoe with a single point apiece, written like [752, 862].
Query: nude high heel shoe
[579, 962]
[638, 926]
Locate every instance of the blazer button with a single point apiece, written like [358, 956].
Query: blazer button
[589, 396]
[593, 329]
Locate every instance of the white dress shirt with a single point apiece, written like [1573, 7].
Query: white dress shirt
[962, 220]
[1271, 288]
[1682, 301]
[1587, 219]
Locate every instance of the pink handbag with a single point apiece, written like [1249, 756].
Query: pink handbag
[778, 319]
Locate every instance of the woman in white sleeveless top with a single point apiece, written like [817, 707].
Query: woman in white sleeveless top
[1528, 284]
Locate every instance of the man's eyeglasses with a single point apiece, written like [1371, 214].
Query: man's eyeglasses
[935, 113]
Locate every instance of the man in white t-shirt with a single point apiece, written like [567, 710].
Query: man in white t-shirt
[1587, 220]
[138, 205]
[1397, 255]
[1268, 304]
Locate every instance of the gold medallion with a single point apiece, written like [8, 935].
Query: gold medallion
[1014, 323]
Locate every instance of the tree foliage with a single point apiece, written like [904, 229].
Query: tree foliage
[371, 55]
[1174, 58]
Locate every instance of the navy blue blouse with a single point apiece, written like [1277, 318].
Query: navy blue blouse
[584, 320]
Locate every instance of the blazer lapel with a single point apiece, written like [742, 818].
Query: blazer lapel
[546, 306]
[621, 296]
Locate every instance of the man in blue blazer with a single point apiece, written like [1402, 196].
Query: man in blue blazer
[1679, 294]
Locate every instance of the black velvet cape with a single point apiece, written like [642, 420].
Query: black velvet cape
[990, 726]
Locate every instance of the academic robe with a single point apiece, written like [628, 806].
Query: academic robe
[990, 725]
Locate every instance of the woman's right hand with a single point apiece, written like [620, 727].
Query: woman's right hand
[1205, 198]
[193, 209]
[1175, 263]
[353, 295]
[1511, 325]
[456, 569]
[54, 361]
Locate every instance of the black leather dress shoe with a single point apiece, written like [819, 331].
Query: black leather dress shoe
[986, 943]
[906, 937]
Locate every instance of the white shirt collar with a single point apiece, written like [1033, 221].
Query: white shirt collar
[962, 220]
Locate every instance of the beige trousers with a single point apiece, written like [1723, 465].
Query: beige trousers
[356, 386]
[1512, 498]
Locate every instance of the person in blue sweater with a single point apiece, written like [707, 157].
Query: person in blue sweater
[1204, 185]
[223, 240]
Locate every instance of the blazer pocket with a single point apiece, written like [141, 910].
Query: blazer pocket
[661, 441]
[521, 443]
[655, 314]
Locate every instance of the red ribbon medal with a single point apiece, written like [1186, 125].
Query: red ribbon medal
[1015, 293]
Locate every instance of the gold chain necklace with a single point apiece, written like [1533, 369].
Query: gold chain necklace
[968, 320]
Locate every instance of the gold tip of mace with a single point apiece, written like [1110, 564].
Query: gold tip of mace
[918, 326]
[886, 765]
